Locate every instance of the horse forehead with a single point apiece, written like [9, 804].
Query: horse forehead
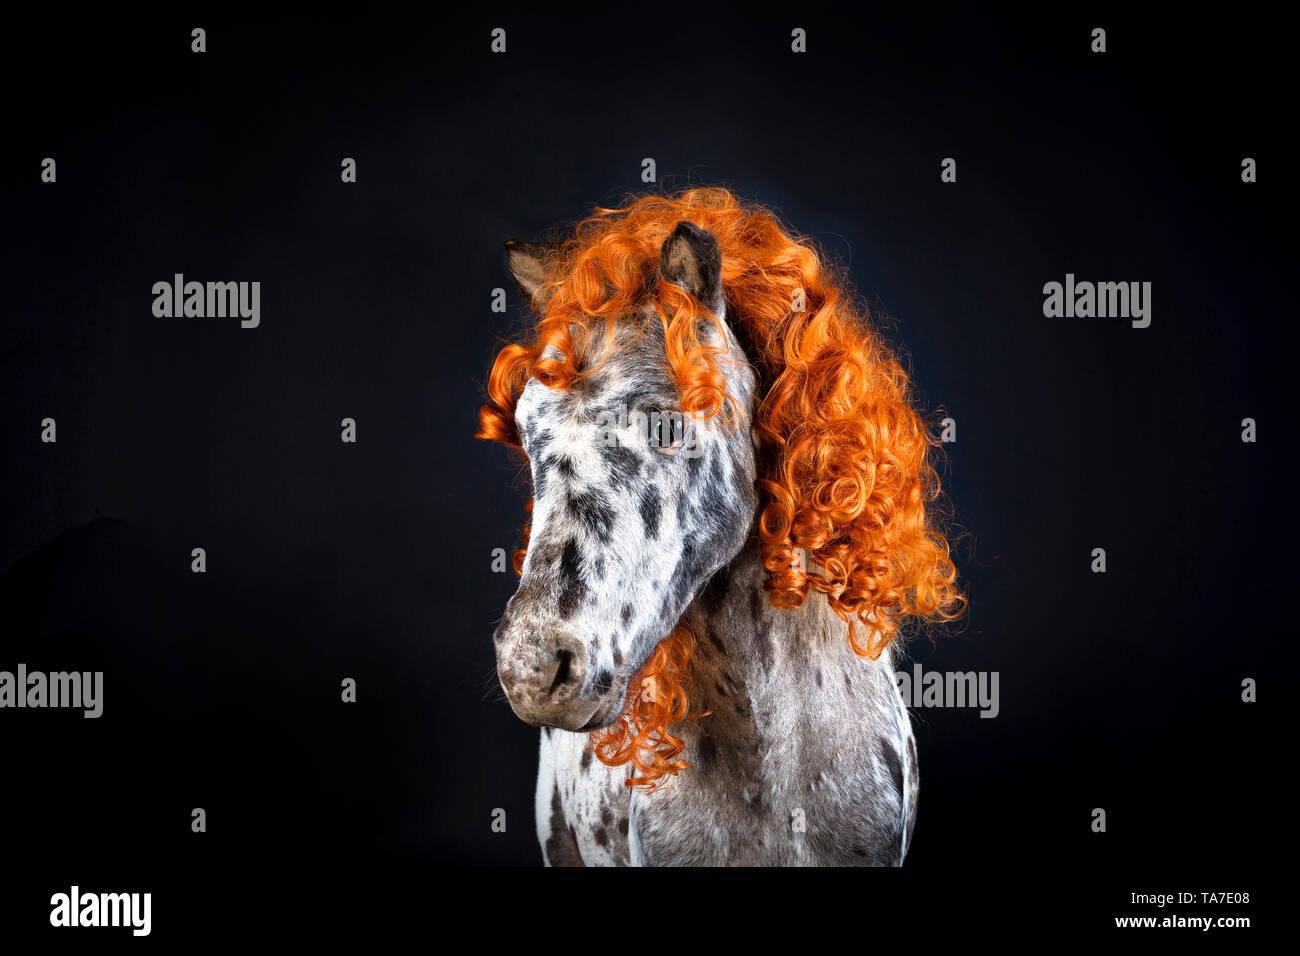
[632, 352]
[627, 369]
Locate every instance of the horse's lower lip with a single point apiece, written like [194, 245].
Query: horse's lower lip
[568, 719]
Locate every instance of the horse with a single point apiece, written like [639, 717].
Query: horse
[729, 477]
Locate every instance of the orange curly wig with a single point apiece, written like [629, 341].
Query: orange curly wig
[845, 471]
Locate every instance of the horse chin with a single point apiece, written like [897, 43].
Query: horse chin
[604, 716]
[579, 716]
[582, 716]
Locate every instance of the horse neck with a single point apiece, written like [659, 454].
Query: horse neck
[747, 647]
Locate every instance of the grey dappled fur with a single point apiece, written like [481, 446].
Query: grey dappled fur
[808, 755]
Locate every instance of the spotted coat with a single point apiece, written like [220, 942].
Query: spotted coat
[807, 756]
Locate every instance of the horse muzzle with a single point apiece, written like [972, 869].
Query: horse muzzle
[543, 680]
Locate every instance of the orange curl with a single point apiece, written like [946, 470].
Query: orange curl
[656, 698]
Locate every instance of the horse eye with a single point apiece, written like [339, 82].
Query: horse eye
[666, 431]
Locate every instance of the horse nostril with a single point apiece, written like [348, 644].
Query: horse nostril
[563, 671]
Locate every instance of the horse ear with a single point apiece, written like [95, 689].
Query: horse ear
[530, 263]
[692, 258]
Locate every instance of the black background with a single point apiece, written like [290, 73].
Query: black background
[372, 560]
